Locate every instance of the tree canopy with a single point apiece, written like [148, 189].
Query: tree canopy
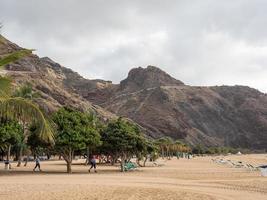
[75, 131]
[123, 140]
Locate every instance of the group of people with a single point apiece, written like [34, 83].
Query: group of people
[92, 163]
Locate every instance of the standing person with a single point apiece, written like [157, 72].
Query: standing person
[37, 164]
[93, 164]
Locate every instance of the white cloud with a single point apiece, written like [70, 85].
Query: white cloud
[203, 42]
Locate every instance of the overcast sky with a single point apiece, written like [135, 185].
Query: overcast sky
[201, 42]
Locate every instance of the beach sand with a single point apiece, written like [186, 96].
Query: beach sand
[195, 179]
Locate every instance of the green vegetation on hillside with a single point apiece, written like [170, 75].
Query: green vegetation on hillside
[12, 57]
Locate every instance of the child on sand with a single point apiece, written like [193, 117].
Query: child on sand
[93, 164]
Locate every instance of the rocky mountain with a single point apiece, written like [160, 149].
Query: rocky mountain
[222, 116]
[50, 80]
[215, 116]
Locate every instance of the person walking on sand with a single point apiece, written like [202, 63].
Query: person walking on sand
[37, 164]
[93, 164]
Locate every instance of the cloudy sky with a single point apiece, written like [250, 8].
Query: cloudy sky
[201, 42]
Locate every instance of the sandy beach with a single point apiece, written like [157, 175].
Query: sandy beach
[194, 179]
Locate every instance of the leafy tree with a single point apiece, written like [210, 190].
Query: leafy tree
[11, 133]
[149, 148]
[92, 138]
[199, 149]
[36, 145]
[122, 139]
[74, 132]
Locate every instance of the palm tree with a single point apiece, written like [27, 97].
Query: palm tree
[20, 108]
[165, 144]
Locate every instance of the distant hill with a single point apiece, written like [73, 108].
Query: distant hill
[215, 116]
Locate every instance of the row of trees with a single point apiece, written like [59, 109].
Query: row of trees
[169, 147]
[24, 124]
[78, 132]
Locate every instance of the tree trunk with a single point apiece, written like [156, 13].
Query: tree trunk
[68, 158]
[138, 162]
[122, 163]
[26, 161]
[145, 161]
[20, 156]
[88, 156]
[8, 152]
[21, 146]
[8, 156]
[113, 160]
[69, 167]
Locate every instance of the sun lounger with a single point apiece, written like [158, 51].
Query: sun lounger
[130, 166]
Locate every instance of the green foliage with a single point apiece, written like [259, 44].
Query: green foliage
[149, 149]
[199, 149]
[11, 133]
[14, 56]
[26, 92]
[75, 131]
[23, 109]
[5, 86]
[122, 137]
[36, 144]
[19, 108]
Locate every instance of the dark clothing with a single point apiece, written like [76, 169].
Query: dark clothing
[93, 165]
[37, 164]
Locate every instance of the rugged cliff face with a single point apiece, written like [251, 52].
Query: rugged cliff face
[231, 116]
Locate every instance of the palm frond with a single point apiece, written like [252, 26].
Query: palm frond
[22, 109]
[5, 86]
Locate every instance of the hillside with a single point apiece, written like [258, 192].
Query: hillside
[215, 116]
[50, 80]
[223, 116]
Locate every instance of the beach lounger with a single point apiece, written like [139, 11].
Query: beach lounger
[130, 166]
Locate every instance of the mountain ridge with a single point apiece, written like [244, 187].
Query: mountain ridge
[233, 116]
